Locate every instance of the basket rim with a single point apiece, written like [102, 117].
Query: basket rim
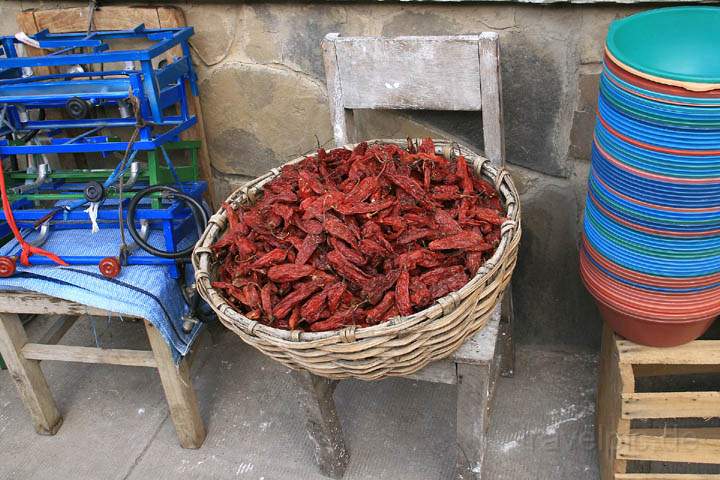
[510, 235]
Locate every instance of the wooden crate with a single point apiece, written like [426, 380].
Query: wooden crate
[620, 407]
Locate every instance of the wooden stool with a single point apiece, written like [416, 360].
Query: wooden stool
[618, 404]
[473, 368]
[23, 360]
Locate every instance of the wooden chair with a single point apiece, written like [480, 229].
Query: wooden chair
[438, 73]
[23, 361]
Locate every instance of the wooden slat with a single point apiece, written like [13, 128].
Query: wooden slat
[64, 353]
[58, 329]
[661, 370]
[668, 449]
[442, 371]
[65, 20]
[699, 352]
[615, 379]
[666, 476]
[32, 302]
[698, 432]
[491, 86]
[671, 405]
[438, 73]
[341, 118]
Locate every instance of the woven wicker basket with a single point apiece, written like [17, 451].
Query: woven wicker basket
[399, 346]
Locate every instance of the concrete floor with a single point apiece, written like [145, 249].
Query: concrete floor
[117, 424]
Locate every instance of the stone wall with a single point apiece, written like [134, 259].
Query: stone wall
[264, 102]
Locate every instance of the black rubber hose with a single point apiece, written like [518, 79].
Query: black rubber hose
[200, 216]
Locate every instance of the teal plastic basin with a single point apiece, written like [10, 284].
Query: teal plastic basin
[678, 43]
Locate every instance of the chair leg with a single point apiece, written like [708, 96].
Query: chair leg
[507, 317]
[179, 392]
[475, 385]
[28, 376]
[323, 424]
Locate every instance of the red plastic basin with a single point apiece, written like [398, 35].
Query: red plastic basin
[653, 333]
[655, 305]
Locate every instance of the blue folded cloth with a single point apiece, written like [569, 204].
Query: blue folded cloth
[146, 291]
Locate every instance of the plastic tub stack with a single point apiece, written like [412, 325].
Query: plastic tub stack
[651, 246]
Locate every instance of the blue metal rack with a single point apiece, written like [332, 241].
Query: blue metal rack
[146, 97]
[140, 95]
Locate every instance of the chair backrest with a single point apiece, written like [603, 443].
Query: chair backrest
[415, 73]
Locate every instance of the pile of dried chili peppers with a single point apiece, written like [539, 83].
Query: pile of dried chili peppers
[357, 237]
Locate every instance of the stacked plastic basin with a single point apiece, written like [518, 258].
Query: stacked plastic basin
[651, 246]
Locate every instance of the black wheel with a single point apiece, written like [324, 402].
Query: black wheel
[77, 108]
[94, 191]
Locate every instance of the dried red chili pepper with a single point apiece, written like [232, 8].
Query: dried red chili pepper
[371, 247]
[335, 293]
[340, 230]
[289, 272]
[410, 186]
[446, 223]
[284, 211]
[488, 215]
[464, 175]
[245, 247]
[313, 308]
[439, 274]
[473, 262]
[266, 293]
[352, 255]
[360, 208]
[447, 285]
[309, 226]
[274, 256]
[426, 146]
[376, 313]
[347, 270]
[294, 317]
[307, 248]
[464, 241]
[362, 191]
[445, 192]
[420, 295]
[413, 234]
[311, 181]
[300, 293]
[252, 295]
[402, 293]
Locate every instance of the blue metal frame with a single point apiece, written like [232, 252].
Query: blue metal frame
[175, 220]
[160, 90]
[155, 88]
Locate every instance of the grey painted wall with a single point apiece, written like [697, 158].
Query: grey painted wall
[264, 101]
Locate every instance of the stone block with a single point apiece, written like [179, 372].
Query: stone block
[258, 117]
[584, 116]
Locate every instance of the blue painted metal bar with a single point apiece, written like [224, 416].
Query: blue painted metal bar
[58, 76]
[179, 36]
